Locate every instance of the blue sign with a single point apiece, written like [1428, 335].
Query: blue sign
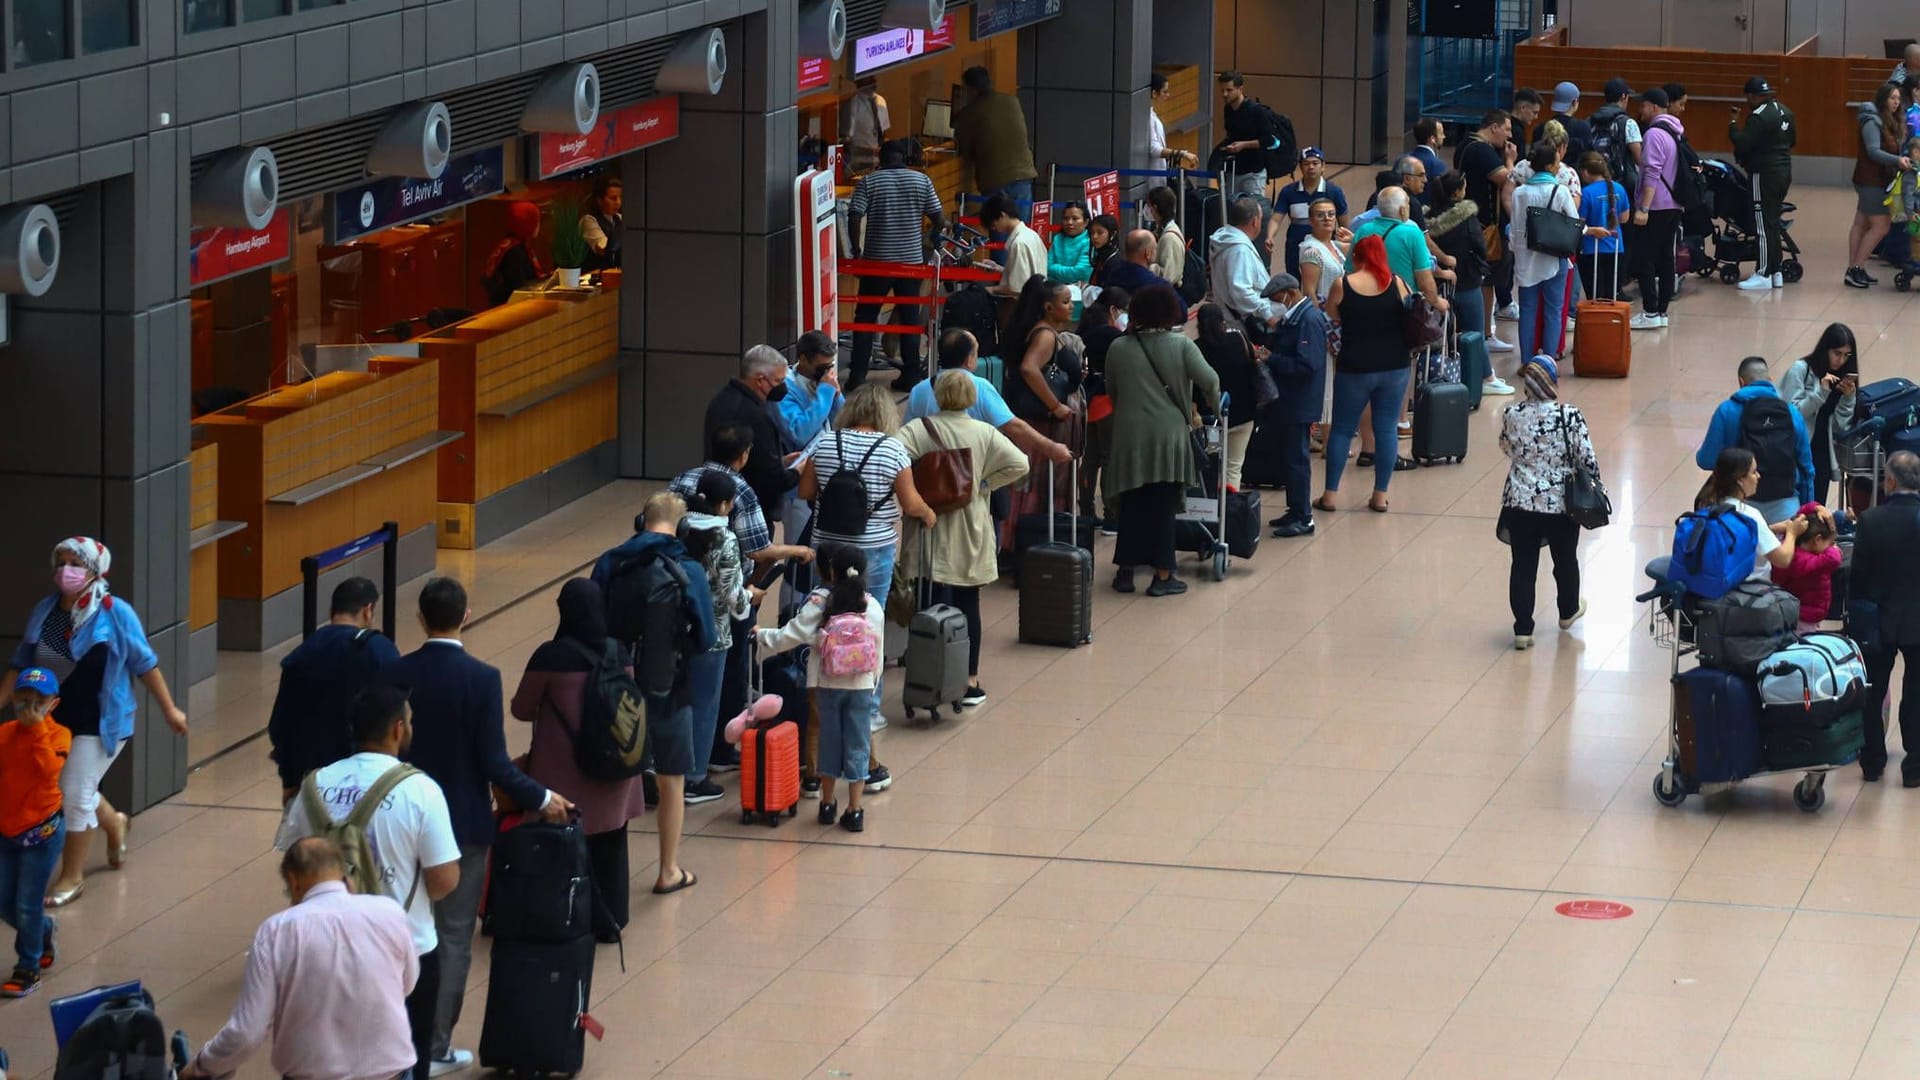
[395, 200]
[999, 16]
[336, 556]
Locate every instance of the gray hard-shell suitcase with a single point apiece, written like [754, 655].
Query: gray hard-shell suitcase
[1056, 588]
[937, 647]
[1440, 414]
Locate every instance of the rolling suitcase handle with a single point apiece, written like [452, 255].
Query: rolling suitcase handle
[1073, 507]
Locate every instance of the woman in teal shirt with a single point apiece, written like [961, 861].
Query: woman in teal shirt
[1070, 256]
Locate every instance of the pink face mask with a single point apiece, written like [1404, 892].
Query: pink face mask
[70, 579]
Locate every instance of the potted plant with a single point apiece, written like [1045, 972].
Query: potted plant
[569, 244]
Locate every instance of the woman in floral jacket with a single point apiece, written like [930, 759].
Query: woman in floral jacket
[1544, 438]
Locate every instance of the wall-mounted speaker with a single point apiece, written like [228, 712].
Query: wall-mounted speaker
[697, 64]
[823, 29]
[239, 189]
[29, 249]
[913, 14]
[416, 141]
[566, 101]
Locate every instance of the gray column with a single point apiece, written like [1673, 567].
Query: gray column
[1083, 80]
[1324, 64]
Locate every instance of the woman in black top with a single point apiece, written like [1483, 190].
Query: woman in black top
[1455, 226]
[1102, 323]
[1373, 368]
[1225, 345]
[1103, 235]
[1041, 328]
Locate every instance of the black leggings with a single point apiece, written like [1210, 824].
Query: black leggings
[967, 599]
[420, 1005]
[1146, 525]
[1528, 530]
[607, 851]
[1653, 260]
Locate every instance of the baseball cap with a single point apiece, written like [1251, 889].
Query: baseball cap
[1313, 152]
[1757, 84]
[1280, 283]
[1564, 96]
[1656, 96]
[1617, 89]
[39, 680]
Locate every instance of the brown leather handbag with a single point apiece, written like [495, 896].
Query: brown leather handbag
[944, 477]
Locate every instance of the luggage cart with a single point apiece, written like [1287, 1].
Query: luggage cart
[1200, 527]
[1861, 454]
[1672, 622]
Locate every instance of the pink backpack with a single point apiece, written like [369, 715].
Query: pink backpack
[847, 646]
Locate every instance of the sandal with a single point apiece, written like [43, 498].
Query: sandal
[66, 896]
[687, 881]
[1404, 464]
[1364, 461]
[1377, 505]
[1325, 504]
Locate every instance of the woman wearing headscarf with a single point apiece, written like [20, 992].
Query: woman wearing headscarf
[1544, 438]
[550, 697]
[513, 264]
[94, 644]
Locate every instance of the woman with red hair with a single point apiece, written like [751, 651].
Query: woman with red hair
[513, 265]
[1373, 367]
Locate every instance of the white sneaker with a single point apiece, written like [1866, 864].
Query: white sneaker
[1510, 313]
[1567, 624]
[1779, 280]
[1494, 344]
[1755, 283]
[1666, 320]
[1644, 321]
[455, 1061]
[1522, 642]
[1496, 386]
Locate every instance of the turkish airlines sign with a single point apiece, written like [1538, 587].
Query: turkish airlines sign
[636, 127]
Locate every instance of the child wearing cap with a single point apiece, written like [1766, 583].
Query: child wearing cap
[33, 750]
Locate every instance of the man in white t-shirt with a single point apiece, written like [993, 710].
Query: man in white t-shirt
[411, 836]
[1025, 254]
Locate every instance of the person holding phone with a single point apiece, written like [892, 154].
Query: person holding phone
[1821, 385]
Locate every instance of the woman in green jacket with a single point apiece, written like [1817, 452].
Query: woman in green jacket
[1154, 374]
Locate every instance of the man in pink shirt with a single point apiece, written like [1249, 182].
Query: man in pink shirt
[1656, 214]
[327, 980]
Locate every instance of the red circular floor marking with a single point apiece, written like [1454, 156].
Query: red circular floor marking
[1594, 909]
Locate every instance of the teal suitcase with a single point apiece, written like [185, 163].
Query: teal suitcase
[994, 370]
[1475, 365]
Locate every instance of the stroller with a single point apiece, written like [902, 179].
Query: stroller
[1735, 226]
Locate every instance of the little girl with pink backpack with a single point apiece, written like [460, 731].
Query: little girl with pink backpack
[845, 627]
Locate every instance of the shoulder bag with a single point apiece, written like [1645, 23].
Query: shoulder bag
[1550, 232]
[943, 475]
[1265, 390]
[1421, 324]
[1060, 380]
[1585, 497]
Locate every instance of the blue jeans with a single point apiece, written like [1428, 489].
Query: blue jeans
[24, 875]
[705, 673]
[879, 584]
[1020, 191]
[1545, 304]
[1386, 391]
[1470, 310]
[846, 735]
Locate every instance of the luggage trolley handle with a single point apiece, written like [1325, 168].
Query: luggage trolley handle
[1073, 503]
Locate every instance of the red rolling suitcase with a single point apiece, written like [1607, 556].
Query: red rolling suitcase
[769, 766]
[1602, 342]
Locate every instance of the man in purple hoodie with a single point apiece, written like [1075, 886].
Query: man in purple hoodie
[1655, 211]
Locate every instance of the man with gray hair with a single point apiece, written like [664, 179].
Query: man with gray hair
[1407, 251]
[747, 402]
[1886, 577]
[1238, 272]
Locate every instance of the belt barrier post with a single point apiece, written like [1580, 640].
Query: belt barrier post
[309, 595]
[389, 574]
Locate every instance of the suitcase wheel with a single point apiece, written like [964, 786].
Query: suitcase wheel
[956, 709]
[1730, 273]
[792, 811]
[1810, 794]
[746, 817]
[1902, 280]
[1675, 795]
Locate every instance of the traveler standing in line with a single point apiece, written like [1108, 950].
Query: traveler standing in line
[1906, 74]
[601, 225]
[1759, 420]
[1041, 328]
[1879, 161]
[958, 350]
[1566, 109]
[1542, 278]
[1764, 147]
[1883, 576]
[1070, 252]
[33, 750]
[1605, 208]
[1230, 354]
[552, 697]
[94, 645]
[1024, 254]
[1299, 366]
[1486, 158]
[1526, 116]
[1133, 270]
[1821, 385]
[1237, 271]
[1102, 323]
[326, 980]
[1159, 92]
[1252, 130]
[990, 135]
[1170, 243]
[1322, 253]
[461, 742]
[898, 205]
[744, 402]
[812, 400]
[1297, 199]
[410, 834]
[1373, 369]
[1544, 441]
[709, 537]
[1656, 213]
[319, 679]
[1429, 135]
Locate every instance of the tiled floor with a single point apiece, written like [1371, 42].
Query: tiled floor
[1311, 822]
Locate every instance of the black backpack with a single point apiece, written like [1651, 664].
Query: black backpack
[972, 308]
[1766, 429]
[843, 509]
[1193, 276]
[646, 608]
[1689, 187]
[541, 887]
[1609, 126]
[1282, 159]
[122, 1038]
[612, 741]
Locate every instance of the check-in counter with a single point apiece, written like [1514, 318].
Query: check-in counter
[533, 386]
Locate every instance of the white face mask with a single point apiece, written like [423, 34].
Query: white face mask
[1120, 320]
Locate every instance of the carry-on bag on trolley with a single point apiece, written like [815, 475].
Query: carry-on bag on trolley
[1813, 681]
[1739, 631]
[937, 646]
[1602, 342]
[1897, 401]
[1056, 585]
[1440, 411]
[1713, 550]
[1717, 716]
[1802, 745]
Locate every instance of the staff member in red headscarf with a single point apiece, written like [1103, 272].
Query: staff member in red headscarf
[513, 264]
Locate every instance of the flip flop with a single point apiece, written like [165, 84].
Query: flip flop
[65, 896]
[687, 881]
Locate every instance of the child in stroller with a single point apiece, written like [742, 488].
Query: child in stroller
[1736, 235]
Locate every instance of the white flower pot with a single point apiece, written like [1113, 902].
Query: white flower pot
[570, 277]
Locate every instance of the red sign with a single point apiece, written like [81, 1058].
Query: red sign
[816, 72]
[1103, 194]
[1043, 220]
[218, 253]
[1594, 909]
[622, 131]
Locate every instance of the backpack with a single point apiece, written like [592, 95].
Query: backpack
[1282, 159]
[612, 741]
[1713, 550]
[847, 646]
[843, 508]
[1766, 428]
[1193, 276]
[972, 308]
[646, 608]
[122, 1038]
[1689, 186]
[350, 832]
[1609, 126]
[541, 884]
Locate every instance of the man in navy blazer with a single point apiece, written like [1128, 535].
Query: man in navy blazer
[459, 739]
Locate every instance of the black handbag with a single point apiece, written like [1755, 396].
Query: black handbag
[1587, 502]
[1550, 232]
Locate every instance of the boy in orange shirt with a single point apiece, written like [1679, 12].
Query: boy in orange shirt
[33, 750]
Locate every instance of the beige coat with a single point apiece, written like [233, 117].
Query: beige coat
[963, 541]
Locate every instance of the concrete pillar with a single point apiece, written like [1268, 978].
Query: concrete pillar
[1324, 63]
[1083, 81]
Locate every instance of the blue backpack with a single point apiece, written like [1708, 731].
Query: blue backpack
[1713, 550]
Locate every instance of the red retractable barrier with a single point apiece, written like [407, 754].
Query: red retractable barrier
[934, 272]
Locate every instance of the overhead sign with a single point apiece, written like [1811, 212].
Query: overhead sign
[889, 47]
[622, 131]
[396, 200]
[815, 73]
[216, 253]
[816, 271]
[1103, 194]
[998, 16]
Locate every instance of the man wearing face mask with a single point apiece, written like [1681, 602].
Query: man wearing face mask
[318, 680]
[813, 389]
[751, 401]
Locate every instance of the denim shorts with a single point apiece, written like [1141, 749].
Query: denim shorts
[670, 735]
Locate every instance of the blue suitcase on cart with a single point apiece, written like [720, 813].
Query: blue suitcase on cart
[1718, 716]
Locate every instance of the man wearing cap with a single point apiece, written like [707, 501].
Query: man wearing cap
[1656, 213]
[1764, 147]
[1299, 365]
[1566, 107]
[1298, 195]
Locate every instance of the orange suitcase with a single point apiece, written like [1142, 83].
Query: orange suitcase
[769, 773]
[1602, 341]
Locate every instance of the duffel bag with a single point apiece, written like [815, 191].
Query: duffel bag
[1813, 680]
[1740, 630]
[1897, 401]
[1713, 550]
[1809, 745]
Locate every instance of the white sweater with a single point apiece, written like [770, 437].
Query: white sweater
[804, 629]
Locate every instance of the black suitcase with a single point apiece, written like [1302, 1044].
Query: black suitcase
[1206, 212]
[1440, 413]
[1243, 523]
[1056, 589]
[537, 995]
[1262, 466]
[541, 884]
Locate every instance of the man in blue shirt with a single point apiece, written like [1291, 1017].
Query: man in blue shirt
[1132, 271]
[958, 349]
[1785, 460]
[813, 390]
[1297, 196]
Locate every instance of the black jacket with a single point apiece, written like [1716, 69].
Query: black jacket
[460, 738]
[737, 406]
[1884, 553]
[318, 680]
[1458, 233]
[1254, 121]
